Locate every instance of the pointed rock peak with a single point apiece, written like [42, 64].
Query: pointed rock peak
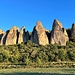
[1, 31]
[57, 25]
[55, 20]
[39, 24]
[14, 28]
[23, 28]
[73, 26]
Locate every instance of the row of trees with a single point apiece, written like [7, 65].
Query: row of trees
[30, 53]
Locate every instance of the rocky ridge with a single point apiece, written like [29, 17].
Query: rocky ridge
[39, 35]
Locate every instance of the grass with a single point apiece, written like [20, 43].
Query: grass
[38, 71]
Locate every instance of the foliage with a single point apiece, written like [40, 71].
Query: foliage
[33, 54]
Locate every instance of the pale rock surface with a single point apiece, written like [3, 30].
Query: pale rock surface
[12, 37]
[21, 37]
[1, 35]
[57, 34]
[39, 34]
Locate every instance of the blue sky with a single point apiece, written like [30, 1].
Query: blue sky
[28, 12]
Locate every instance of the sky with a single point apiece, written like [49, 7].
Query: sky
[27, 12]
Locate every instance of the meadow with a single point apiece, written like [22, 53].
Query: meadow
[38, 71]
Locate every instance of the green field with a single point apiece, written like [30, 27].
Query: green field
[38, 71]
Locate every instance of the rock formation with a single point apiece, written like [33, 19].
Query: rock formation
[1, 35]
[1, 31]
[21, 37]
[58, 34]
[39, 34]
[73, 32]
[65, 32]
[26, 36]
[12, 36]
[2, 39]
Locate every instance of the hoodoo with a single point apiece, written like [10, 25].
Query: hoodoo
[39, 34]
[73, 32]
[57, 34]
[12, 36]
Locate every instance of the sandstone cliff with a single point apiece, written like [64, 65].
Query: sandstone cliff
[58, 34]
[73, 32]
[39, 34]
[23, 36]
[1, 35]
[12, 36]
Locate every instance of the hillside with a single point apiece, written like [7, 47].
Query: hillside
[40, 48]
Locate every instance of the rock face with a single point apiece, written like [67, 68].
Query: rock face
[23, 36]
[3, 39]
[65, 32]
[1, 35]
[73, 32]
[1, 31]
[39, 34]
[12, 36]
[26, 36]
[58, 34]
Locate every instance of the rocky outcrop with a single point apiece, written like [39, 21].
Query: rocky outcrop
[65, 32]
[69, 33]
[1, 31]
[73, 32]
[12, 36]
[58, 34]
[1, 35]
[26, 36]
[39, 34]
[23, 36]
[4, 37]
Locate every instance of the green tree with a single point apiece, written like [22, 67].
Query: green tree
[13, 59]
[1, 57]
[4, 56]
[71, 55]
[62, 54]
[27, 61]
[38, 61]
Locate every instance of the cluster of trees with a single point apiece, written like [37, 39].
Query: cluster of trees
[30, 53]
